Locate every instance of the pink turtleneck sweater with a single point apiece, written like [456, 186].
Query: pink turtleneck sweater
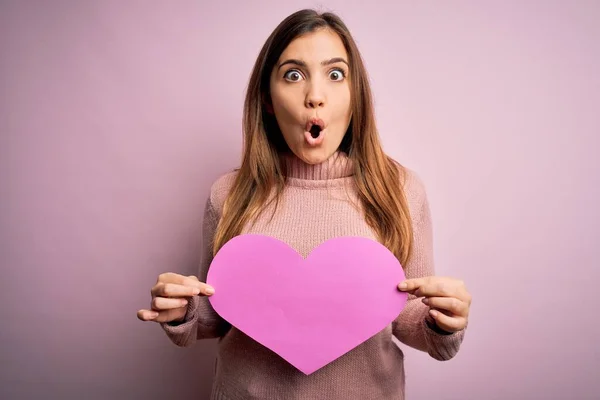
[317, 206]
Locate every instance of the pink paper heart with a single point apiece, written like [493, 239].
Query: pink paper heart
[309, 311]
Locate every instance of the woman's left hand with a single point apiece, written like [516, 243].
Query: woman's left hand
[448, 300]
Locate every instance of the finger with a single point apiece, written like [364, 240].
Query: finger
[410, 285]
[169, 316]
[452, 305]
[178, 290]
[147, 315]
[447, 323]
[173, 290]
[162, 316]
[164, 303]
[191, 281]
[439, 288]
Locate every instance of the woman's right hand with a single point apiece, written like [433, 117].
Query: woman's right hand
[170, 296]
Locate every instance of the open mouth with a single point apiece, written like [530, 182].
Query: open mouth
[315, 131]
[315, 127]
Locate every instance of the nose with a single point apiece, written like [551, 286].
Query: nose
[315, 98]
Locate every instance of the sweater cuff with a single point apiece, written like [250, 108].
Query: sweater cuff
[183, 333]
[442, 345]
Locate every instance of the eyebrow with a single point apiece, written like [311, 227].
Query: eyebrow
[303, 64]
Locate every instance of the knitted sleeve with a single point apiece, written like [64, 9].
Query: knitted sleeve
[411, 327]
[201, 320]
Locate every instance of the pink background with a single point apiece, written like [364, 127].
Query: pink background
[115, 117]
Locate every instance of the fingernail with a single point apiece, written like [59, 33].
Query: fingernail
[153, 315]
[403, 286]
[425, 300]
[433, 313]
[183, 302]
[209, 290]
[196, 291]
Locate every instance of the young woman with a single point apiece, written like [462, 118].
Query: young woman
[313, 169]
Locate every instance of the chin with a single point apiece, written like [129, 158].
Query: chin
[314, 155]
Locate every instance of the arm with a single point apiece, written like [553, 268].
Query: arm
[201, 321]
[413, 326]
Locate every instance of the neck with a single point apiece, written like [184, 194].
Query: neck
[335, 167]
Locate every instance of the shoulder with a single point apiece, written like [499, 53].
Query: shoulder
[220, 189]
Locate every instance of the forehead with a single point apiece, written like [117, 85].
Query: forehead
[322, 44]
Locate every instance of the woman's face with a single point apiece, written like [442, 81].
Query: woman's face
[310, 95]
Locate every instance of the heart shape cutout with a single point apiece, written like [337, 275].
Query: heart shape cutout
[309, 311]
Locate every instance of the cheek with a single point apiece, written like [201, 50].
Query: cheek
[281, 105]
[283, 110]
[343, 107]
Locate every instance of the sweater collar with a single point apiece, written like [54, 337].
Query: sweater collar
[337, 166]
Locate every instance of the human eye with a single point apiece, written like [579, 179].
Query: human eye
[293, 75]
[337, 74]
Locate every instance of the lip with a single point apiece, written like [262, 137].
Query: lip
[314, 142]
[314, 121]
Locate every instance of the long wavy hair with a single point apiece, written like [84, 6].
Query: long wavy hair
[260, 178]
